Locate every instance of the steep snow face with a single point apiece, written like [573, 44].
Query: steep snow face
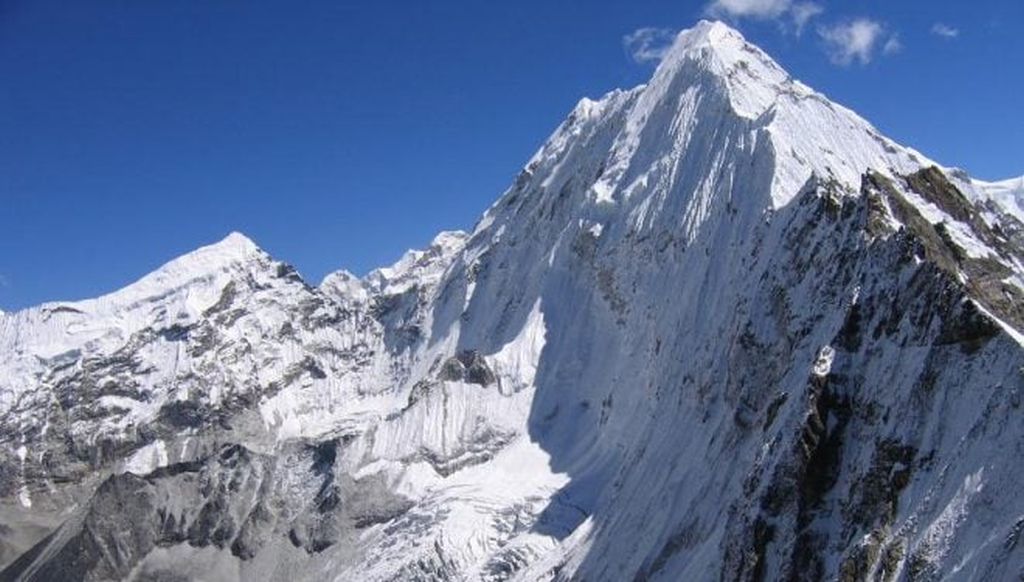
[717, 328]
[1008, 193]
[710, 71]
[718, 303]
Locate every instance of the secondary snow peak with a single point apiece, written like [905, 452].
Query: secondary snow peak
[232, 249]
[238, 241]
[207, 267]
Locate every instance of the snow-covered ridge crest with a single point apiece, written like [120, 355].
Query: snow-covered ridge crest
[416, 266]
[176, 293]
[234, 251]
[711, 78]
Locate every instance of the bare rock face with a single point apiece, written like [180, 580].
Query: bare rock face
[234, 501]
[467, 366]
[718, 328]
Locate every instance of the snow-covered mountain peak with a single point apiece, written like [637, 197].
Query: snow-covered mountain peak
[235, 241]
[233, 248]
[753, 79]
[177, 293]
[230, 256]
[715, 92]
[707, 34]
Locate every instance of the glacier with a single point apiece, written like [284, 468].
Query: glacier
[719, 327]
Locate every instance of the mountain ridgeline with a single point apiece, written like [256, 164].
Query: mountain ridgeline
[719, 328]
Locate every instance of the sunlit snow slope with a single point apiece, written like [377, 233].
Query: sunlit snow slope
[718, 328]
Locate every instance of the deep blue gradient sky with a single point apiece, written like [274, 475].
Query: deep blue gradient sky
[338, 135]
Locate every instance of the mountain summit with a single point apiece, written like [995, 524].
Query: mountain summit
[712, 80]
[718, 328]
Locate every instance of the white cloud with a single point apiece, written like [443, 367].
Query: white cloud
[803, 12]
[945, 30]
[800, 13]
[857, 40]
[892, 45]
[748, 8]
[646, 45]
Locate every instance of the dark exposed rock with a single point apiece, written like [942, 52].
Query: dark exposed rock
[857, 566]
[226, 500]
[814, 521]
[118, 529]
[874, 495]
[467, 366]
[984, 281]
[288, 272]
[936, 188]
[821, 446]
[50, 311]
[967, 326]
[175, 333]
[398, 314]
[185, 414]
[227, 297]
[773, 409]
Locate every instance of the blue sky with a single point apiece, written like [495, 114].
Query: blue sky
[338, 135]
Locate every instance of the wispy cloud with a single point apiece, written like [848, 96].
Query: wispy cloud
[857, 41]
[786, 12]
[803, 12]
[892, 45]
[945, 30]
[648, 45]
[748, 8]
